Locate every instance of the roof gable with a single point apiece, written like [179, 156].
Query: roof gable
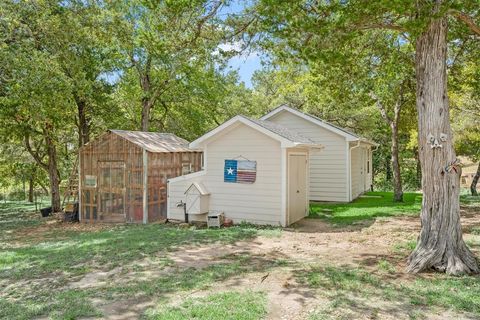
[275, 131]
[350, 136]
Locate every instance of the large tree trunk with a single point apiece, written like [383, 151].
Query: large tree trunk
[440, 245]
[83, 122]
[146, 107]
[53, 173]
[473, 186]
[397, 178]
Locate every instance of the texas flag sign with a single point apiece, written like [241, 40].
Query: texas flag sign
[240, 171]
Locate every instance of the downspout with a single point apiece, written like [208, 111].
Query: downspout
[371, 164]
[350, 169]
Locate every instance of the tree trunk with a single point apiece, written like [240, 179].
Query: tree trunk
[146, 107]
[418, 169]
[83, 122]
[473, 186]
[53, 173]
[388, 168]
[397, 178]
[31, 185]
[440, 245]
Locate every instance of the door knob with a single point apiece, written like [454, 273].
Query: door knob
[298, 191]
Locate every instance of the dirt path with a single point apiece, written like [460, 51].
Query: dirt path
[310, 241]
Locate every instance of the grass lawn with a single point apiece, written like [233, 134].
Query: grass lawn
[219, 306]
[36, 267]
[70, 271]
[369, 206]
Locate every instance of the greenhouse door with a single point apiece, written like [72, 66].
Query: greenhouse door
[111, 191]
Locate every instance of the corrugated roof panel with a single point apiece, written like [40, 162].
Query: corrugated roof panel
[155, 141]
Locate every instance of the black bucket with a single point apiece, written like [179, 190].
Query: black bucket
[46, 211]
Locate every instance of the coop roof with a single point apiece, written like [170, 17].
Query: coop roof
[155, 141]
[200, 187]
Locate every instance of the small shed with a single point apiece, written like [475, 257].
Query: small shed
[340, 172]
[254, 171]
[123, 175]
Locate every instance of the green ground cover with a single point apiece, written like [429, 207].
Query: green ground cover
[369, 206]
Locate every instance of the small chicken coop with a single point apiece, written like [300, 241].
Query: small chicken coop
[196, 199]
[123, 175]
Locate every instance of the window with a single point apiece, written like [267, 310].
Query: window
[368, 166]
[90, 181]
[186, 168]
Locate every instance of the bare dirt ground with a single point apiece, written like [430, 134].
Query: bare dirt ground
[362, 245]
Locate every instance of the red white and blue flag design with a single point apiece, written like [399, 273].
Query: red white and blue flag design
[240, 171]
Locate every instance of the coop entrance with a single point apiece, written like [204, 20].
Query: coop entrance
[111, 191]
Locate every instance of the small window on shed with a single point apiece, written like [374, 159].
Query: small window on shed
[186, 168]
[368, 166]
[90, 181]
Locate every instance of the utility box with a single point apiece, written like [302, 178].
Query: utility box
[197, 199]
[215, 219]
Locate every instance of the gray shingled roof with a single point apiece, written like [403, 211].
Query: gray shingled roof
[281, 131]
[155, 141]
[321, 120]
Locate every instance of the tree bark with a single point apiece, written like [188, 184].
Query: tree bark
[388, 168]
[393, 123]
[473, 186]
[53, 173]
[440, 245]
[397, 178]
[31, 185]
[418, 169]
[146, 107]
[83, 122]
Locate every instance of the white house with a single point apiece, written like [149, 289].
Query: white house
[343, 169]
[254, 171]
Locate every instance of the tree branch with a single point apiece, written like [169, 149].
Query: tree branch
[34, 153]
[383, 111]
[465, 18]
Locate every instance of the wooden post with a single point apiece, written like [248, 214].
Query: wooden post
[145, 186]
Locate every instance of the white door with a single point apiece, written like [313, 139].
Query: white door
[297, 187]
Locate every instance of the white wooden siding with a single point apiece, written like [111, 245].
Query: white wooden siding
[328, 176]
[360, 184]
[260, 202]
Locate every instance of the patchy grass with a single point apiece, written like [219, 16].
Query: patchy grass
[16, 215]
[69, 304]
[351, 290]
[404, 247]
[107, 248]
[469, 200]
[227, 305]
[370, 206]
[40, 274]
[36, 272]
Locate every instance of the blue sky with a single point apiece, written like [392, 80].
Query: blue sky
[247, 63]
[246, 66]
